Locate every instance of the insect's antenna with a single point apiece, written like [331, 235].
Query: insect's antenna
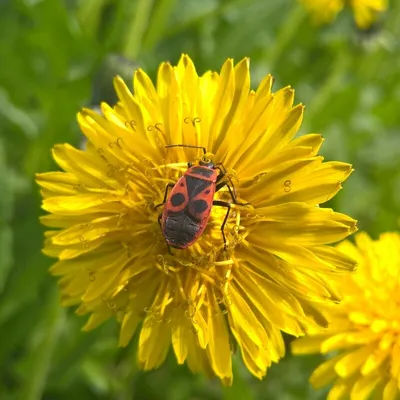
[187, 145]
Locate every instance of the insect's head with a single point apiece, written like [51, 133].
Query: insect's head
[207, 161]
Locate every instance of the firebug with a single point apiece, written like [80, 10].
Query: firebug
[188, 206]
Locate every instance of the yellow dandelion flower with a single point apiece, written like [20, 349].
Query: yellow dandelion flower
[270, 275]
[365, 332]
[365, 11]
[323, 11]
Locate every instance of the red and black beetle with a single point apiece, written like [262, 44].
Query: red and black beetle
[188, 206]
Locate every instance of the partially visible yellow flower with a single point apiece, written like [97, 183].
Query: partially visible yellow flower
[274, 273]
[365, 11]
[323, 11]
[365, 330]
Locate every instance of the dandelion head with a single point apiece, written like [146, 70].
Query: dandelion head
[365, 328]
[250, 272]
[323, 11]
[366, 12]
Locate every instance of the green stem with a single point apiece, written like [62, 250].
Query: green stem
[6, 214]
[40, 359]
[157, 23]
[88, 14]
[138, 24]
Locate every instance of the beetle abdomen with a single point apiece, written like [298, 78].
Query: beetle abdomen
[180, 230]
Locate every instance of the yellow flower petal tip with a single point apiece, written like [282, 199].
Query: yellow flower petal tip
[366, 12]
[264, 261]
[364, 332]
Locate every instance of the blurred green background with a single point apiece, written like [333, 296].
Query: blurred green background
[57, 56]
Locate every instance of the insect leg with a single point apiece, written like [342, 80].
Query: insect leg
[231, 192]
[222, 168]
[228, 207]
[222, 173]
[159, 223]
[170, 185]
[220, 176]
[159, 220]
[220, 184]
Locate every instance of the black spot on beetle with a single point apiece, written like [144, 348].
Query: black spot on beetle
[200, 206]
[177, 199]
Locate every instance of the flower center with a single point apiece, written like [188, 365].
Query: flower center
[189, 275]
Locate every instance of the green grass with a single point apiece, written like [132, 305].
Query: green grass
[60, 56]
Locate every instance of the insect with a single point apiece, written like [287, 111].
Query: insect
[188, 206]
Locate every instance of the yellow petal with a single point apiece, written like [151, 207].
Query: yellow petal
[128, 327]
[264, 88]
[130, 105]
[144, 86]
[65, 221]
[96, 319]
[335, 342]
[261, 300]
[296, 255]
[90, 170]
[59, 182]
[87, 232]
[257, 124]
[88, 262]
[221, 104]
[218, 348]
[325, 373]
[374, 361]
[189, 81]
[247, 327]
[391, 390]
[80, 204]
[340, 390]
[223, 142]
[180, 332]
[197, 359]
[104, 276]
[352, 361]
[312, 141]
[395, 364]
[154, 343]
[114, 139]
[307, 344]
[281, 134]
[364, 386]
[257, 363]
[341, 261]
